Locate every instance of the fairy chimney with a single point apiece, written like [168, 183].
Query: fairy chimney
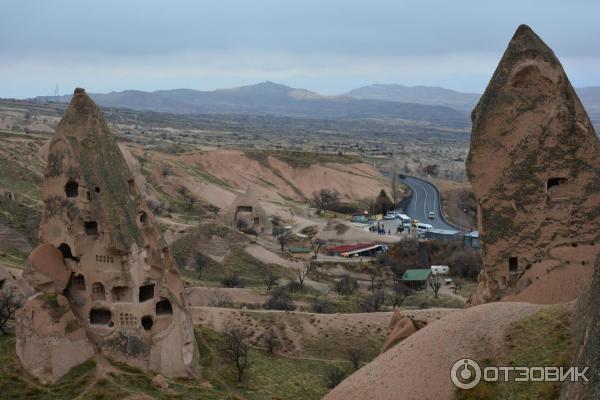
[100, 247]
[534, 167]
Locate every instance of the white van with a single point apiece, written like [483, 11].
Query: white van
[422, 228]
[391, 215]
[440, 269]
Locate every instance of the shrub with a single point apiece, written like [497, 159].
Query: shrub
[232, 281]
[280, 300]
[334, 377]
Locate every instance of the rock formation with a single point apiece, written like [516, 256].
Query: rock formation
[247, 210]
[102, 262]
[401, 327]
[534, 167]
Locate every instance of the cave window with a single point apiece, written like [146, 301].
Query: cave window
[97, 189]
[143, 218]
[513, 264]
[147, 322]
[100, 316]
[256, 221]
[89, 195]
[121, 294]
[163, 307]
[77, 282]
[72, 189]
[98, 291]
[131, 184]
[146, 293]
[552, 182]
[66, 251]
[91, 228]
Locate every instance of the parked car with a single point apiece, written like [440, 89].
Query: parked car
[431, 215]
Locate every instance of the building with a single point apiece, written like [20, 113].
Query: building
[446, 235]
[357, 250]
[417, 279]
[471, 239]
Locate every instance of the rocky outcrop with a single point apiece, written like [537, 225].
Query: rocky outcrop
[587, 322]
[50, 339]
[401, 327]
[534, 168]
[101, 249]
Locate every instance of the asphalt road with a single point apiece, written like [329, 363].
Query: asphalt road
[425, 198]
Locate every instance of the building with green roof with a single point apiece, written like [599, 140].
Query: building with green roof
[417, 279]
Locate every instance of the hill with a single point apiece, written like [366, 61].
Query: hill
[435, 96]
[269, 98]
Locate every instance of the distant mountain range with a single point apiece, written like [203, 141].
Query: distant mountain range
[269, 98]
[434, 105]
[430, 95]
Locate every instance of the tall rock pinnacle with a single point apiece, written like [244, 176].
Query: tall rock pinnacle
[103, 260]
[534, 166]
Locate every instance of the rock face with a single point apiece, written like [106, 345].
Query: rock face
[401, 327]
[534, 166]
[101, 248]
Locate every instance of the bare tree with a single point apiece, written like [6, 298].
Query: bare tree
[236, 351]
[217, 298]
[270, 278]
[188, 196]
[315, 243]
[435, 284]
[399, 294]
[199, 262]
[283, 238]
[9, 303]
[303, 272]
[270, 341]
[394, 181]
[326, 199]
[373, 274]
[165, 171]
[354, 356]
[376, 300]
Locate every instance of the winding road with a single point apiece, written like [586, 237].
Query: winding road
[425, 198]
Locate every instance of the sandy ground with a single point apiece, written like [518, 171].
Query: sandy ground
[418, 368]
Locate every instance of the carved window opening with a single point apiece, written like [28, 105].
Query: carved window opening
[127, 319]
[513, 264]
[146, 293]
[97, 189]
[98, 292]
[143, 218]
[122, 294]
[147, 322]
[131, 185]
[100, 316]
[77, 282]
[65, 249]
[163, 307]
[72, 189]
[91, 228]
[553, 182]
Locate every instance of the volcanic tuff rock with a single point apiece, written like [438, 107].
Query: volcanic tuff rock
[101, 249]
[534, 166]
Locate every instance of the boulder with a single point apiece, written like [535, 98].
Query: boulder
[46, 270]
[159, 381]
[50, 339]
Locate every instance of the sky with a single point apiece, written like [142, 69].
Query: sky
[329, 46]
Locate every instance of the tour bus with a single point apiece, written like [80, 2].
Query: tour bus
[406, 222]
[422, 228]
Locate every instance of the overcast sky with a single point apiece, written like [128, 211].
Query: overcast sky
[330, 46]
